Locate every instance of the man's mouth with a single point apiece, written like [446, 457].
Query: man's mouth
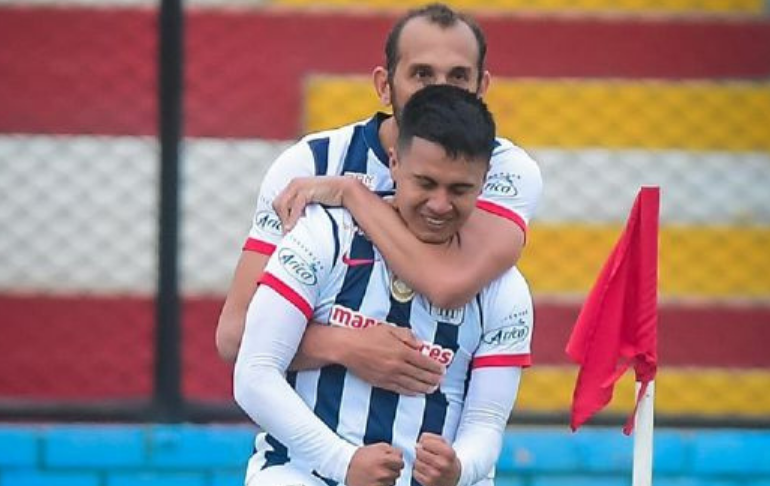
[436, 223]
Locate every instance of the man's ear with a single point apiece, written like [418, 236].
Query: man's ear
[393, 163]
[381, 85]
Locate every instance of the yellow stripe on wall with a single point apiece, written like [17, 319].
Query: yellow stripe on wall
[615, 114]
[580, 114]
[695, 261]
[627, 6]
[697, 391]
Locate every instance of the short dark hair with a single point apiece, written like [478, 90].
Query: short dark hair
[443, 16]
[452, 117]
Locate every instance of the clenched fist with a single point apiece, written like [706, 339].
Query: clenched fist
[436, 463]
[375, 465]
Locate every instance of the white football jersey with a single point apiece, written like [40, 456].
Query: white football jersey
[330, 271]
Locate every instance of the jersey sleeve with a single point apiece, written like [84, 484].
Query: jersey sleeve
[507, 324]
[513, 185]
[491, 395]
[303, 260]
[266, 230]
[275, 322]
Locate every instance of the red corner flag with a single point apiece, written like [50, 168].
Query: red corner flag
[617, 326]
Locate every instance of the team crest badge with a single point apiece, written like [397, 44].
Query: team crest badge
[400, 290]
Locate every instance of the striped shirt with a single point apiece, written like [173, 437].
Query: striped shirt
[332, 273]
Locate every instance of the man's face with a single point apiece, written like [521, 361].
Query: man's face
[430, 54]
[435, 194]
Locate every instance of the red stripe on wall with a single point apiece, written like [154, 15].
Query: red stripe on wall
[76, 347]
[77, 71]
[102, 347]
[92, 71]
[688, 335]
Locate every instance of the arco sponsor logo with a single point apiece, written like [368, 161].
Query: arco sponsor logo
[297, 267]
[269, 221]
[501, 185]
[507, 335]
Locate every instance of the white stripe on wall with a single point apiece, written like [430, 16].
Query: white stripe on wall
[79, 213]
[696, 187]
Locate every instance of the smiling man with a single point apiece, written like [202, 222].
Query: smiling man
[433, 44]
[329, 424]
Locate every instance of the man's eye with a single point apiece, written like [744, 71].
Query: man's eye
[460, 80]
[423, 73]
[424, 184]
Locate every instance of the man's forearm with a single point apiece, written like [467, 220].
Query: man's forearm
[233, 317]
[398, 245]
[490, 245]
[381, 223]
[321, 346]
[384, 356]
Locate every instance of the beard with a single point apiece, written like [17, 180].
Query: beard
[398, 109]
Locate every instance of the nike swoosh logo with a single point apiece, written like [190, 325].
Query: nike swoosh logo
[355, 262]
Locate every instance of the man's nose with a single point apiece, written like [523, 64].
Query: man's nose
[439, 203]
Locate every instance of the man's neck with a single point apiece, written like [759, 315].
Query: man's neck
[388, 133]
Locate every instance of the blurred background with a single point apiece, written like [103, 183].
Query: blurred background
[133, 138]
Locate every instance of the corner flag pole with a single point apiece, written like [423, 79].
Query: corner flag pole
[645, 414]
[617, 329]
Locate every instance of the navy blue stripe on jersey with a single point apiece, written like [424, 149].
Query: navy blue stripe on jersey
[335, 233]
[329, 482]
[356, 277]
[356, 157]
[381, 418]
[320, 149]
[383, 403]
[372, 133]
[400, 313]
[436, 403]
[331, 380]
[279, 453]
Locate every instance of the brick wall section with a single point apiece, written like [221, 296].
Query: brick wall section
[215, 455]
